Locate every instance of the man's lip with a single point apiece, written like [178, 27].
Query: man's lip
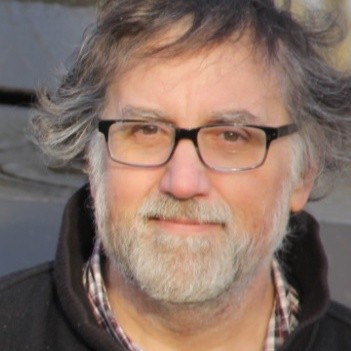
[184, 225]
[185, 221]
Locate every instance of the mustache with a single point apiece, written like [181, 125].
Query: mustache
[169, 208]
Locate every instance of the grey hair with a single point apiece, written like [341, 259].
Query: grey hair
[317, 96]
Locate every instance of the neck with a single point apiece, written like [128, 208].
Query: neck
[234, 321]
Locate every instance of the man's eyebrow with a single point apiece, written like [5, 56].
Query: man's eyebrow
[129, 111]
[235, 116]
[227, 116]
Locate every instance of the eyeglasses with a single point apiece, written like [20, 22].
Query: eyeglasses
[227, 147]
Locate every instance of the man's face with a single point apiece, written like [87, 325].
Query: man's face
[182, 232]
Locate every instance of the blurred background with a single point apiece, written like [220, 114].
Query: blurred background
[36, 41]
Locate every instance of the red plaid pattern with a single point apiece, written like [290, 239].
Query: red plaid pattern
[282, 322]
[285, 311]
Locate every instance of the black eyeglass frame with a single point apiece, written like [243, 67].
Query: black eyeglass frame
[272, 133]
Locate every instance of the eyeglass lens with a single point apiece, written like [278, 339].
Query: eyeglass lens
[220, 147]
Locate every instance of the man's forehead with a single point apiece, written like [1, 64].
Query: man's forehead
[242, 48]
[152, 88]
[173, 45]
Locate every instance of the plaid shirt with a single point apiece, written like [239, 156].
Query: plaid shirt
[282, 321]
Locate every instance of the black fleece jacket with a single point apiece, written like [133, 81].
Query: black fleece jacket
[45, 308]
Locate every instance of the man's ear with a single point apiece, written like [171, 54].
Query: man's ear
[302, 190]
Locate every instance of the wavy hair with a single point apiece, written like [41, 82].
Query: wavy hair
[317, 96]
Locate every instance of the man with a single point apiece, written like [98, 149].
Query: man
[204, 127]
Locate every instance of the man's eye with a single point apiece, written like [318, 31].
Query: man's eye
[234, 136]
[145, 129]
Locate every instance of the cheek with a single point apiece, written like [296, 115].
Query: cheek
[252, 196]
[126, 188]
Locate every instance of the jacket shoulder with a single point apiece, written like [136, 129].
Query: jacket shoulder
[26, 304]
[21, 284]
[24, 292]
[340, 313]
[26, 277]
[334, 331]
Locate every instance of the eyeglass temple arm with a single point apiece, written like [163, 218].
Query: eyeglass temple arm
[286, 130]
[275, 133]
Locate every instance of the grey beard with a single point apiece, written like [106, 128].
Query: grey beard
[188, 270]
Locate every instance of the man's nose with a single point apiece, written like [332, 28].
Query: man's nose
[185, 175]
